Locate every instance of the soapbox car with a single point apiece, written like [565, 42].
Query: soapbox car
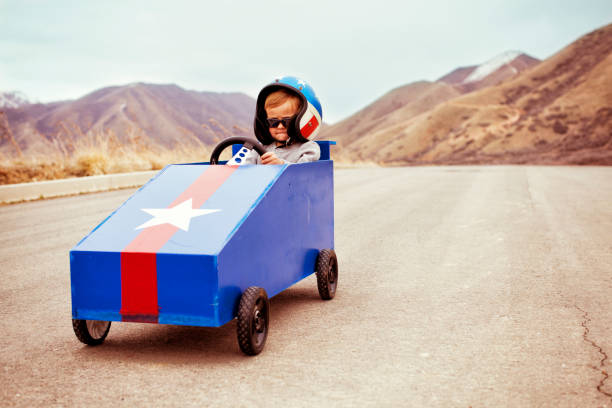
[203, 243]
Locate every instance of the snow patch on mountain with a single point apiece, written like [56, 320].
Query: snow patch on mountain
[491, 66]
[13, 99]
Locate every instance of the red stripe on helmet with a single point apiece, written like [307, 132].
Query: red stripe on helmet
[310, 127]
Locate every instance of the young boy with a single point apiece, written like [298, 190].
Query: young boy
[288, 116]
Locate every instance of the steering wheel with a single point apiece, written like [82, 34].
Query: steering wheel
[247, 142]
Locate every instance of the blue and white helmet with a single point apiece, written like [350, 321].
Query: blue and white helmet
[307, 122]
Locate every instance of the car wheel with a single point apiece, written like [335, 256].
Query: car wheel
[327, 273]
[91, 332]
[253, 318]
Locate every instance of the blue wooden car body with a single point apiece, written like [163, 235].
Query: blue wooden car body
[268, 225]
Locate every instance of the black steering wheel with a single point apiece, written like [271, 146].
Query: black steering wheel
[247, 142]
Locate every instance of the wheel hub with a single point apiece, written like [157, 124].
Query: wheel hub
[259, 321]
[97, 328]
[332, 274]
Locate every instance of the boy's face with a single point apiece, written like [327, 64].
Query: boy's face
[286, 110]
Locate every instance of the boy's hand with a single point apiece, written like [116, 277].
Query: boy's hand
[270, 158]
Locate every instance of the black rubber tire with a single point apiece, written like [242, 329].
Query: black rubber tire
[85, 336]
[326, 268]
[253, 319]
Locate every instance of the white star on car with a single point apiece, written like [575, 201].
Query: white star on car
[180, 215]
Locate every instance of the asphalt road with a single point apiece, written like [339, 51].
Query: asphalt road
[459, 286]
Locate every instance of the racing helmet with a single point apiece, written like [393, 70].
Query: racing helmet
[306, 123]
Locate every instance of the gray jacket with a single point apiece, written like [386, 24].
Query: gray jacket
[294, 153]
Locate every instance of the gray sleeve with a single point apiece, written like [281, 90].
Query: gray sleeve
[309, 152]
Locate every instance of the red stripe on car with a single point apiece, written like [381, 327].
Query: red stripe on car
[138, 258]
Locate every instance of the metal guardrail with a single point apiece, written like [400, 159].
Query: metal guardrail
[11, 193]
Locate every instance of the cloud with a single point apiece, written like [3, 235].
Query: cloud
[351, 53]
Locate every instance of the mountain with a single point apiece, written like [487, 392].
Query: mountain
[164, 116]
[492, 72]
[406, 101]
[556, 112]
[458, 76]
[416, 98]
[13, 99]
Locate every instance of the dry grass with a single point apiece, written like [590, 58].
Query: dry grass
[95, 154]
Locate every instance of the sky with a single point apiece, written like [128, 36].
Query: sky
[350, 52]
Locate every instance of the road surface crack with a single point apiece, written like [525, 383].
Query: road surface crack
[602, 362]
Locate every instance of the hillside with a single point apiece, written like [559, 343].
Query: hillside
[559, 111]
[406, 101]
[416, 98]
[164, 116]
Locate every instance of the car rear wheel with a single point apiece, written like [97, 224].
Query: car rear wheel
[253, 318]
[91, 332]
[326, 269]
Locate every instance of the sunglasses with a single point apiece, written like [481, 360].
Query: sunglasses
[274, 122]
